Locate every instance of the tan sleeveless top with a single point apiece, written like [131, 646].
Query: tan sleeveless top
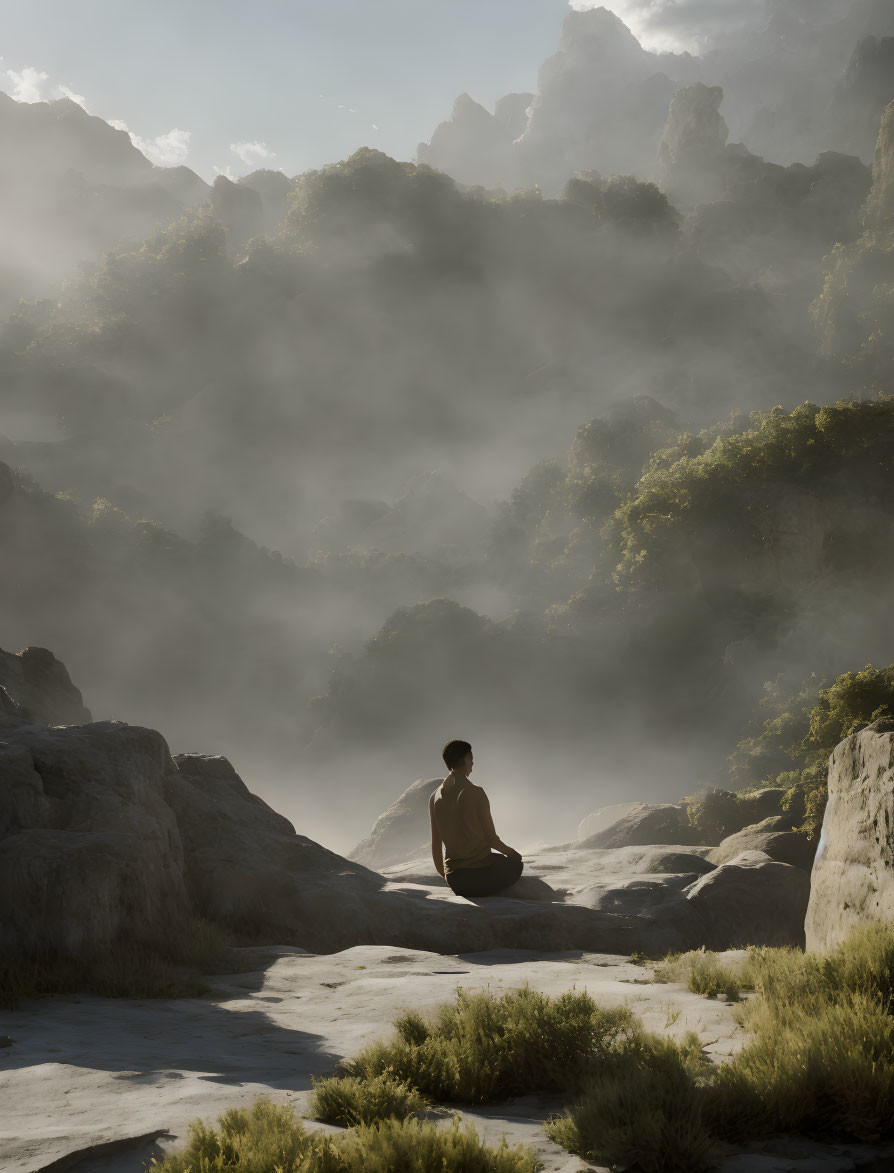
[463, 836]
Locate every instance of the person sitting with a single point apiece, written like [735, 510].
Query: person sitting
[461, 822]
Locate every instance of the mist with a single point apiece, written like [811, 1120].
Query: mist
[549, 434]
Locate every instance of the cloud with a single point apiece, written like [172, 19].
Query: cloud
[165, 150]
[28, 85]
[227, 173]
[681, 24]
[251, 152]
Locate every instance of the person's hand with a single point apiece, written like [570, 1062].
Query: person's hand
[511, 853]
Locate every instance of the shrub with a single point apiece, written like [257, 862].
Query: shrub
[482, 1048]
[703, 972]
[644, 1108]
[267, 1137]
[826, 1072]
[350, 1101]
[800, 727]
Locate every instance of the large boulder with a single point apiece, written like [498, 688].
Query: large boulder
[752, 900]
[89, 847]
[102, 833]
[645, 824]
[852, 882]
[605, 817]
[403, 831]
[766, 803]
[244, 864]
[772, 836]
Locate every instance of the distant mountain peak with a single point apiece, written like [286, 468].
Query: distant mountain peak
[597, 25]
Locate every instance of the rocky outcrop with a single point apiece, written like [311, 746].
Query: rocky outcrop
[473, 146]
[852, 882]
[104, 836]
[867, 87]
[880, 206]
[511, 111]
[273, 187]
[604, 818]
[103, 833]
[401, 832]
[752, 900]
[774, 837]
[644, 824]
[39, 688]
[691, 153]
[238, 208]
[601, 103]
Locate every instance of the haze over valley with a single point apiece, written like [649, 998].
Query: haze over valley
[567, 430]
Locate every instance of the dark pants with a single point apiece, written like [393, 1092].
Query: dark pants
[500, 873]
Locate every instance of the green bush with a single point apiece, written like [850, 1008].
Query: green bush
[704, 973]
[826, 1072]
[268, 1138]
[800, 727]
[643, 1108]
[820, 1062]
[482, 1048]
[350, 1100]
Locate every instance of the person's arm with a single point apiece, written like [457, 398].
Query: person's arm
[491, 835]
[437, 853]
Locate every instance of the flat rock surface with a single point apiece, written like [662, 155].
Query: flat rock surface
[102, 1085]
[133, 1073]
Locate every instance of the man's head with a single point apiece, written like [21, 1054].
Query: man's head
[457, 756]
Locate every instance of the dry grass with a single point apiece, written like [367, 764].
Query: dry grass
[644, 1108]
[703, 972]
[349, 1101]
[267, 1138]
[483, 1048]
[153, 964]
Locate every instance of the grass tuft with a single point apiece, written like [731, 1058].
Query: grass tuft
[269, 1138]
[483, 1048]
[703, 972]
[349, 1101]
[645, 1109]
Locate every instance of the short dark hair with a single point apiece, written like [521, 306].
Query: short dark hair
[454, 752]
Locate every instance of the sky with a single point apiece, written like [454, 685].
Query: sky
[291, 84]
[226, 87]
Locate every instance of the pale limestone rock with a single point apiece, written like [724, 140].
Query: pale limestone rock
[647, 823]
[90, 848]
[774, 837]
[402, 831]
[604, 818]
[852, 882]
[752, 900]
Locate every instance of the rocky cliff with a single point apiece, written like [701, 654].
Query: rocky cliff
[691, 153]
[601, 102]
[880, 206]
[852, 882]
